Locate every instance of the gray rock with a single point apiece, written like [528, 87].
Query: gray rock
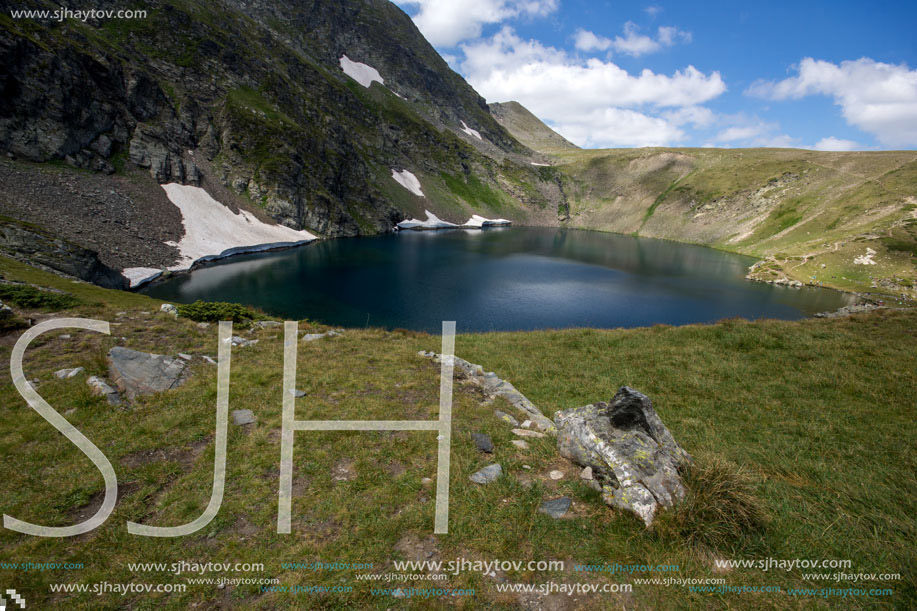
[632, 454]
[586, 473]
[311, 337]
[521, 444]
[299, 394]
[556, 508]
[140, 373]
[242, 417]
[487, 475]
[527, 433]
[184, 357]
[483, 442]
[100, 388]
[506, 418]
[209, 359]
[170, 309]
[65, 374]
[241, 342]
[494, 387]
[266, 324]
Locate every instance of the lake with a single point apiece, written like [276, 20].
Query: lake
[500, 279]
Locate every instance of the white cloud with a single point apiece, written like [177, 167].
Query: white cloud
[744, 131]
[632, 43]
[653, 10]
[878, 98]
[445, 23]
[591, 102]
[835, 144]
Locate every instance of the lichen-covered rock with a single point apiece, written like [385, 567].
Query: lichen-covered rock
[633, 456]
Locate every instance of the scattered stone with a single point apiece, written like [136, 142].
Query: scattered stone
[527, 424]
[100, 388]
[265, 324]
[556, 508]
[483, 443]
[527, 433]
[526, 467]
[426, 481]
[65, 336]
[506, 417]
[519, 443]
[487, 475]
[556, 475]
[633, 455]
[241, 342]
[169, 309]
[242, 417]
[139, 373]
[203, 325]
[209, 359]
[66, 374]
[495, 387]
[299, 394]
[848, 310]
[343, 470]
[311, 337]
[586, 474]
[184, 357]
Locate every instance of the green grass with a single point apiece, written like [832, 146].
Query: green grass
[802, 435]
[28, 297]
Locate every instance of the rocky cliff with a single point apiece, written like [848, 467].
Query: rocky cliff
[251, 97]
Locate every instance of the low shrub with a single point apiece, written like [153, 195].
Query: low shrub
[29, 297]
[215, 311]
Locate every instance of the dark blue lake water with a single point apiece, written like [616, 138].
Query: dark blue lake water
[497, 279]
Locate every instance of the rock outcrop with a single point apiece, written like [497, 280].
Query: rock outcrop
[140, 373]
[634, 458]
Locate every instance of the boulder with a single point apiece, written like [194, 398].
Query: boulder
[633, 456]
[487, 475]
[242, 417]
[66, 374]
[139, 373]
[506, 417]
[168, 308]
[483, 442]
[556, 508]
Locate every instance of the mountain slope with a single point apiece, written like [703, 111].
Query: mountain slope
[813, 216]
[529, 129]
[250, 101]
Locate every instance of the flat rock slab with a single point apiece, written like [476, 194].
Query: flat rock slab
[487, 475]
[140, 373]
[65, 374]
[241, 417]
[556, 508]
[527, 433]
[506, 417]
[483, 442]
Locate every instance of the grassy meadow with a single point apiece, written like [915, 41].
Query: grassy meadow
[810, 425]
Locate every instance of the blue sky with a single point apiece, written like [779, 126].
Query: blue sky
[830, 75]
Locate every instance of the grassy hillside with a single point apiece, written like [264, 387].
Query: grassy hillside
[810, 214]
[529, 129]
[814, 420]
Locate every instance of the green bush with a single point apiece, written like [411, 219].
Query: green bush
[29, 297]
[215, 311]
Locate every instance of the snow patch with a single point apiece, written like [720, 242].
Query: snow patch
[471, 132]
[360, 72]
[408, 181]
[140, 275]
[480, 221]
[540, 165]
[866, 259]
[434, 222]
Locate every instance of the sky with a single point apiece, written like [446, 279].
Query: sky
[828, 75]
